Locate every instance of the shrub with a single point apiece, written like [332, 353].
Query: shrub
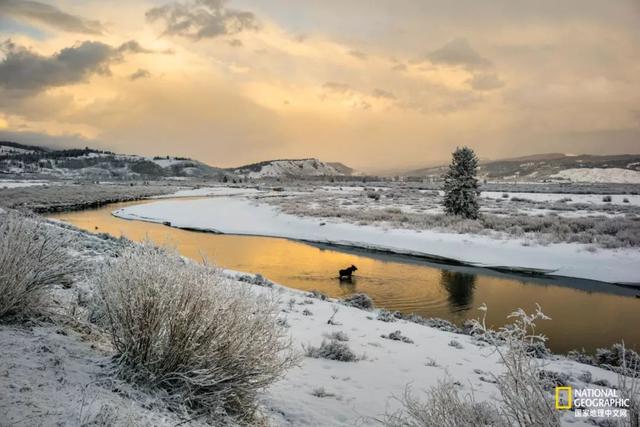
[629, 380]
[455, 344]
[617, 356]
[444, 407]
[33, 259]
[332, 350]
[208, 343]
[397, 336]
[361, 301]
[625, 200]
[606, 199]
[339, 336]
[373, 195]
[522, 387]
[386, 316]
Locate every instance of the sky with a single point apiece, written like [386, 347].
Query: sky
[375, 85]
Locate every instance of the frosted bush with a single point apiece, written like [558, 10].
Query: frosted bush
[208, 343]
[33, 258]
[361, 301]
[524, 397]
[339, 336]
[397, 336]
[386, 316]
[444, 407]
[332, 350]
[629, 380]
[455, 344]
[523, 389]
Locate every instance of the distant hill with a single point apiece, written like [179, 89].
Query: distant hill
[87, 163]
[292, 168]
[8, 147]
[553, 166]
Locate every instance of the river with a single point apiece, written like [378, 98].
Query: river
[586, 314]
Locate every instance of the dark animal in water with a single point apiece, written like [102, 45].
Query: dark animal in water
[347, 273]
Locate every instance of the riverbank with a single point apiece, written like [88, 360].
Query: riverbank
[78, 385]
[247, 215]
[66, 196]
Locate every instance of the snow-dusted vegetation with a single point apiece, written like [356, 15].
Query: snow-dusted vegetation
[188, 330]
[66, 196]
[33, 258]
[537, 233]
[153, 339]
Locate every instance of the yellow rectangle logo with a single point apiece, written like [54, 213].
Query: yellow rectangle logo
[563, 397]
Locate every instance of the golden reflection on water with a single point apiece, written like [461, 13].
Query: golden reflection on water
[580, 319]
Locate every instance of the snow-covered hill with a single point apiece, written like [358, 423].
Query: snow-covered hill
[623, 168]
[38, 162]
[612, 175]
[292, 168]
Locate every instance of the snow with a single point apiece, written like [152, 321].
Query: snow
[20, 183]
[596, 199]
[60, 374]
[5, 149]
[366, 388]
[52, 376]
[236, 215]
[210, 191]
[610, 175]
[283, 168]
[165, 163]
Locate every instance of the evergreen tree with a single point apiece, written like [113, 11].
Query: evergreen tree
[461, 185]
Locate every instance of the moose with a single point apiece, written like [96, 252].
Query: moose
[346, 273]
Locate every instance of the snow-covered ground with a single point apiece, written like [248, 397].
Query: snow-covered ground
[210, 191]
[616, 175]
[285, 168]
[59, 374]
[8, 183]
[359, 391]
[240, 215]
[595, 199]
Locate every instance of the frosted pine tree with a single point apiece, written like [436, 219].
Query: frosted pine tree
[461, 185]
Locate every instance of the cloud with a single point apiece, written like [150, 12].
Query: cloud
[140, 74]
[202, 19]
[336, 87]
[47, 140]
[24, 70]
[399, 67]
[485, 81]
[381, 93]
[40, 13]
[458, 52]
[358, 54]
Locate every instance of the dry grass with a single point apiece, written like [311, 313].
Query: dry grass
[210, 345]
[444, 407]
[33, 258]
[524, 400]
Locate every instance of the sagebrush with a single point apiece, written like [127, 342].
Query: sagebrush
[523, 400]
[208, 343]
[33, 259]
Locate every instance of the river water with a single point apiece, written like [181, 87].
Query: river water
[585, 314]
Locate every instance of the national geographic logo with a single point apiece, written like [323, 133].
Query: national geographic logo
[592, 402]
[564, 397]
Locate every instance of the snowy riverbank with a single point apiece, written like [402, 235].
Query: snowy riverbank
[240, 215]
[59, 373]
